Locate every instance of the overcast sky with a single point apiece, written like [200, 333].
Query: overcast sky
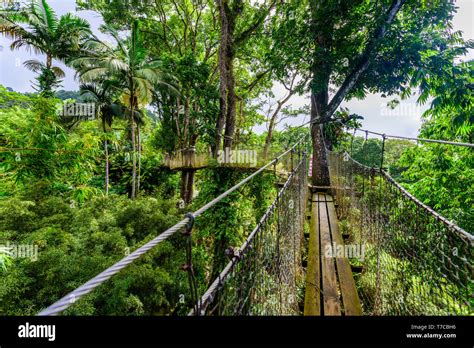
[403, 121]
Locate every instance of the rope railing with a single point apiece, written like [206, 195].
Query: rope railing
[423, 140]
[384, 135]
[72, 297]
[263, 275]
[414, 261]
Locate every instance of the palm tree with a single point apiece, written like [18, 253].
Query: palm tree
[37, 28]
[104, 95]
[136, 74]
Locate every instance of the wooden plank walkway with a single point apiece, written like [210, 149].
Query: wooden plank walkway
[330, 286]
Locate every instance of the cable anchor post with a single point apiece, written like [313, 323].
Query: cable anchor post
[352, 141]
[276, 160]
[189, 225]
[188, 266]
[384, 137]
[291, 159]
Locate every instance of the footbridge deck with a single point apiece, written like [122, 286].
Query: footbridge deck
[330, 286]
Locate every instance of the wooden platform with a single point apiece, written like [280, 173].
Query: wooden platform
[330, 286]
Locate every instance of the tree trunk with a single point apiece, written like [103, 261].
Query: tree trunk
[319, 102]
[229, 41]
[134, 158]
[106, 152]
[187, 176]
[271, 126]
[139, 147]
[320, 163]
[187, 185]
[134, 145]
[321, 73]
[231, 102]
[134, 142]
[190, 186]
[183, 185]
[49, 61]
[106, 149]
[223, 73]
[268, 139]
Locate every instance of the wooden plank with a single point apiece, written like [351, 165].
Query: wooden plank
[316, 189]
[324, 201]
[312, 299]
[329, 279]
[350, 298]
[309, 204]
[321, 195]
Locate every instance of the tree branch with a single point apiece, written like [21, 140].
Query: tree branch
[255, 25]
[363, 61]
[258, 77]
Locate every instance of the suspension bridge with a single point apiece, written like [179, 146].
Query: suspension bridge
[362, 246]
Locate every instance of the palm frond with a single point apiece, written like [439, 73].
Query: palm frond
[89, 89]
[112, 32]
[29, 46]
[49, 16]
[94, 73]
[93, 45]
[116, 65]
[58, 72]
[72, 31]
[34, 65]
[144, 90]
[10, 29]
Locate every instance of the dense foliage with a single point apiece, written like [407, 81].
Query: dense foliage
[180, 77]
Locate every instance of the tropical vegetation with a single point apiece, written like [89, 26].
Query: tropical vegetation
[175, 78]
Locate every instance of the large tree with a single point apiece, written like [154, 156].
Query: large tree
[356, 47]
[238, 22]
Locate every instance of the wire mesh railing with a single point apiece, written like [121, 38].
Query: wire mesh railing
[415, 262]
[264, 274]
